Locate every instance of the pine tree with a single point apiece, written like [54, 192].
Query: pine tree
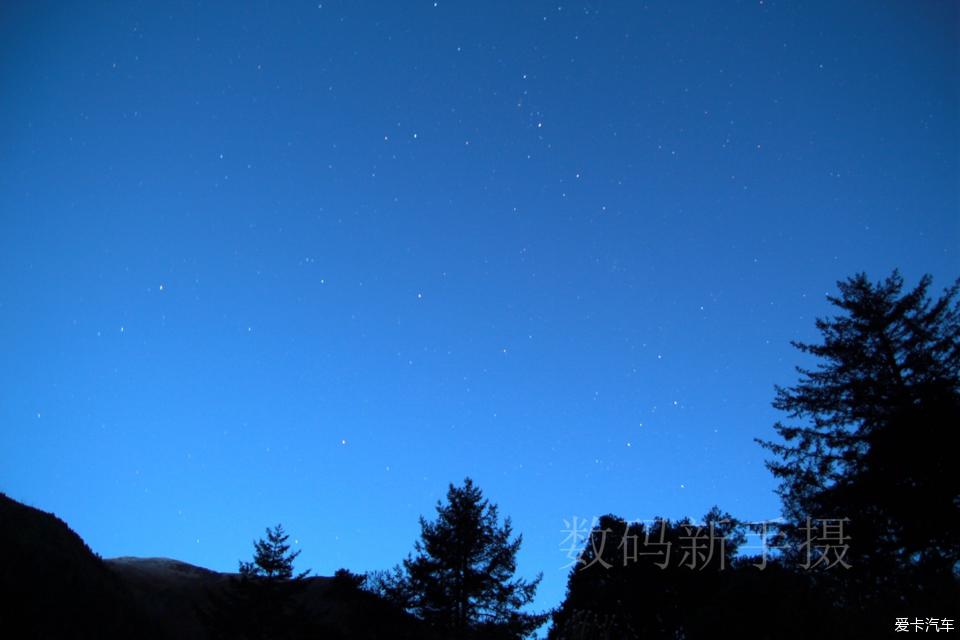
[874, 419]
[460, 578]
[264, 600]
[272, 558]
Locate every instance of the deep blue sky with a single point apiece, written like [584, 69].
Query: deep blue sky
[310, 263]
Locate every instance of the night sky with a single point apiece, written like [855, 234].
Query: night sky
[311, 262]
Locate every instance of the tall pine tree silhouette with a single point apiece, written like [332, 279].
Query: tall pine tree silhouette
[460, 578]
[868, 444]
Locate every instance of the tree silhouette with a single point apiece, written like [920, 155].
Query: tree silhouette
[264, 600]
[460, 578]
[645, 579]
[680, 579]
[874, 416]
[272, 558]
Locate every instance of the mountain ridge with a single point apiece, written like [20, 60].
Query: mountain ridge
[61, 588]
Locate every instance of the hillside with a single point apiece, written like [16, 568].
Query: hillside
[56, 586]
[61, 589]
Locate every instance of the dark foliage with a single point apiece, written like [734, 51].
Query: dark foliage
[264, 600]
[460, 578]
[873, 419]
[664, 579]
[272, 558]
[871, 500]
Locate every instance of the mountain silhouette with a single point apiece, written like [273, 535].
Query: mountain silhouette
[58, 588]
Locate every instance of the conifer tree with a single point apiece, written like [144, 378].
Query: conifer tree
[272, 559]
[460, 578]
[868, 448]
[264, 600]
